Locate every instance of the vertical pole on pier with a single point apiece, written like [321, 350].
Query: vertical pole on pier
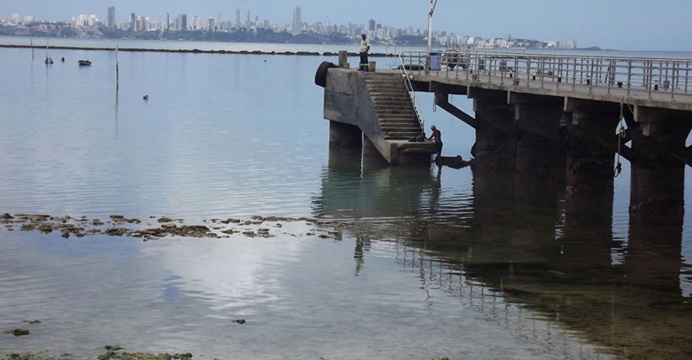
[687, 75]
[629, 77]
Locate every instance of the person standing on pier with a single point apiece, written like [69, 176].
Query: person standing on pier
[364, 49]
[437, 135]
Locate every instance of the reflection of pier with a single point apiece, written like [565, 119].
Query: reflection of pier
[538, 226]
[546, 253]
[356, 187]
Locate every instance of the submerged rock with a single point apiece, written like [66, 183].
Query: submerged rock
[17, 332]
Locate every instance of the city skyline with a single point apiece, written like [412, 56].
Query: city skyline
[617, 24]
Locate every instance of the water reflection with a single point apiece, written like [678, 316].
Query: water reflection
[529, 243]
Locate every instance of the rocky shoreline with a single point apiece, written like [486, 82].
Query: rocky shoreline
[242, 52]
[161, 227]
[111, 353]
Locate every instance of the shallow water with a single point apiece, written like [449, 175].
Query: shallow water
[418, 264]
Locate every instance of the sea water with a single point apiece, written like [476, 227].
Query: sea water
[363, 261]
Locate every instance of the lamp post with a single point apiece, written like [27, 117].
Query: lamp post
[433, 3]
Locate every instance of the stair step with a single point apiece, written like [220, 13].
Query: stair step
[398, 119]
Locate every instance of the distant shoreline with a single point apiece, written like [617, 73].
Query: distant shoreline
[242, 52]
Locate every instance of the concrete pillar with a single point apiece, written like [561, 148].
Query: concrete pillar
[495, 143]
[658, 176]
[344, 135]
[343, 59]
[591, 142]
[539, 153]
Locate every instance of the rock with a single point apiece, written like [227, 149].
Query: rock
[116, 231]
[17, 332]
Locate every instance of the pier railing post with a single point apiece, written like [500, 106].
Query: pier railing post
[629, 77]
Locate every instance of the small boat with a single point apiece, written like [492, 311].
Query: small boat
[84, 62]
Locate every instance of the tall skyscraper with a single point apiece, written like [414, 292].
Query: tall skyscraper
[111, 17]
[183, 22]
[237, 18]
[297, 25]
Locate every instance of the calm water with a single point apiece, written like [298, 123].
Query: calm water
[430, 264]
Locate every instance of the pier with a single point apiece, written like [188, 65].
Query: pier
[564, 118]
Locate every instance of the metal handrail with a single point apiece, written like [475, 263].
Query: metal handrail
[412, 93]
[644, 76]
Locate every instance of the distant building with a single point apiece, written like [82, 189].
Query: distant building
[84, 21]
[372, 26]
[111, 18]
[132, 21]
[181, 22]
[297, 24]
[141, 23]
[12, 19]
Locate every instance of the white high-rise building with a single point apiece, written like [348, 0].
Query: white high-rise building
[297, 24]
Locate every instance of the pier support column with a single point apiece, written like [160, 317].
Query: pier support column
[591, 141]
[539, 152]
[658, 176]
[495, 143]
[344, 136]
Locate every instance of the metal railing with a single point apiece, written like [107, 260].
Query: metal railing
[412, 93]
[630, 75]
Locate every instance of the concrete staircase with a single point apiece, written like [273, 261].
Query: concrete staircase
[396, 114]
[374, 107]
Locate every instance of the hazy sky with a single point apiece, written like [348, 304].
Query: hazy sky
[618, 24]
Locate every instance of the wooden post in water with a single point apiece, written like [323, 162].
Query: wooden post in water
[117, 72]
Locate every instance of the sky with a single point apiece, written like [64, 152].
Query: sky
[610, 24]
